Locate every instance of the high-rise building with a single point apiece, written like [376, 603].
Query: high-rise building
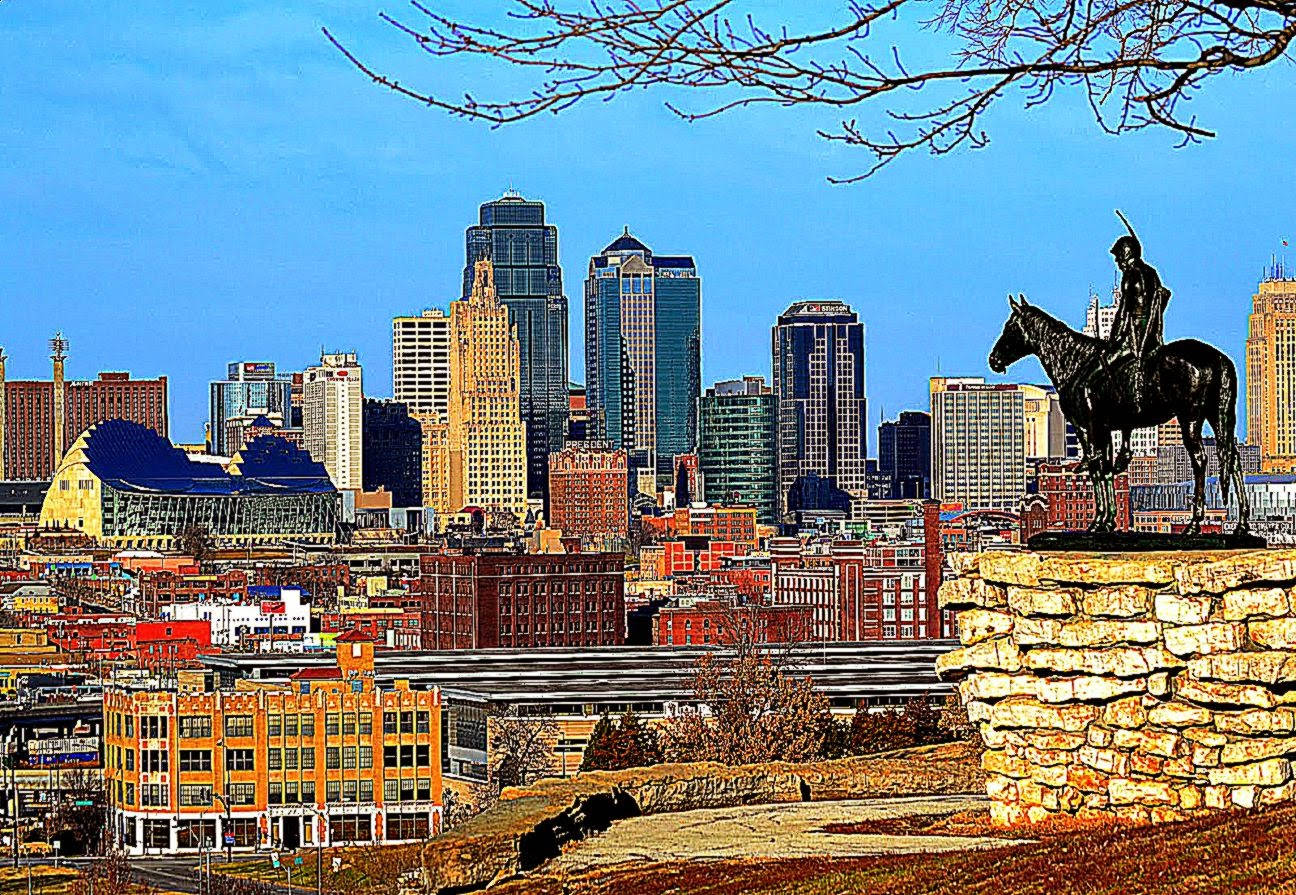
[477, 457]
[333, 418]
[736, 445]
[1270, 372]
[40, 419]
[589, 492]
[978, 443]
[512, 234]
[421, 362]
[643, 352]
[820, 406]
[577, 413]
[393, 452]
[904, 455]
[249, 390]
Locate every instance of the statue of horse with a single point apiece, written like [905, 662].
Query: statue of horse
[1185, 379]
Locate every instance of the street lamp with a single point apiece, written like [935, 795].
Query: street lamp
[319, 850]
[224, 800]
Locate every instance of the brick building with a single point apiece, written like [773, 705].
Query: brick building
[589, 492]
[686, 556]
[321, 581]
[391, 627]
[716, 621]
[1068, 499]
[736, 524]
[490, 600]
[40, 419]
[326, 757]
[162, 588]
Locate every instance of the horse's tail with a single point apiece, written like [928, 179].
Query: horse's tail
[1224, 424]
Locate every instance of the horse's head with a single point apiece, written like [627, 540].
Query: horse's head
[1013, 343]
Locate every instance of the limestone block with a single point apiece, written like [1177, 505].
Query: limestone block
[1117, 601]
[1179, 714]
[1181, 768]
[1243, 605]
[1274, 633]
[1055, 602]
[1216, 797]
[978, 712]
[1190, 797]
[1237, 569]
[993, 685]
[1088, 688]
[1205, 757]
[1054, 740]
[1011, 568]
[1002, 789]
[1090, 569]
[1154, 742]
[1269, 667]
[1098, 736]
[1087, 779]
[965, 563]
[1036, 631]
[1146, 765]
[1028, 713]
[1125, 713]
[1053, 775]
[1204, 736]
[1036, 814]
[1123, 791]
[1030, 793]
[1244, 796]
[1109, 761]
[1162, 814]
[975, 625]
[1007, 814]
[1159, 684]
[968, 593]
[1280, 720]
[995, 761]
[1048, 758]
[1271, 772]
[1196, 640]
[1175, 609]
[1272, 795]
[1243, 751]
[1218, 693]
[1102, 633]
[1122, 662]
[998, 654]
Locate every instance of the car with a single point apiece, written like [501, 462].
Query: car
[36, 849]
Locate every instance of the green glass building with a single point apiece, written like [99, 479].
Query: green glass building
[736, 445]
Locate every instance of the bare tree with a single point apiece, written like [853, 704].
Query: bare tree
[521, 749]
[1137, 61]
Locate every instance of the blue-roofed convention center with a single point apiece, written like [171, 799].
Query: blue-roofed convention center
[126, 486]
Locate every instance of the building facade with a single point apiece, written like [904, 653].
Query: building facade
[333, 417]
[821, 409]
[39, 419]
[324, 758]
[589, 492]
[1069, 499]
[521, 600]
[978, 443]
[125, 486]
[512, 234]
[904, 456]
[643, 353]
[249, 391]
[1271, 373]
[736, 446]
[421, 362]
[477, 457]
[393, 452]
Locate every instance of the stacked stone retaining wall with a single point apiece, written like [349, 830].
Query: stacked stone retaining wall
[1147, 686]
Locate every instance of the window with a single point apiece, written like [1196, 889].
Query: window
[291, 795]
[421, 758]
[407, 790]
[242, 793]
[153, 795]
[308, 791]
[193, 727]
[424, 789]
[351, 828]
[195, 760]
[333, 791]
[366, 724]
[290, 759]
[195, 794]
[238, 726]
[389, 722]
[331, 760]
[391, 791]
[290, 725]
[239, 759]
[348, 758]
[130, 725]
[308, 758]
[157, 834]
[275, 760]
[366, 790]
[349, 724]
[331, 723]
[407, 722]
[366, 757]
[308, 725]
[348, 790]
[153, 727]
[154, 761]
[275, 794]
[422, 722]
[274, 725]
[130, 759]
[407, 756]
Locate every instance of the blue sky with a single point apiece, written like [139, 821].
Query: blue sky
[184, 184]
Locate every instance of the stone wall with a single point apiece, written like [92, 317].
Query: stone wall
[1148, 686]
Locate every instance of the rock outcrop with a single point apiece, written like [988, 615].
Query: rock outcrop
[1146, 686]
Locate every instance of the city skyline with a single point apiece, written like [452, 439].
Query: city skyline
[313, 208]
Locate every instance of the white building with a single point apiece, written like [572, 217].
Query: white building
[421, 362]
[268, 613]
[333, 417]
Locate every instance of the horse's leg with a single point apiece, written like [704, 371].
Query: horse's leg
[1125, 454]
[1192, 438]
[1099, 475]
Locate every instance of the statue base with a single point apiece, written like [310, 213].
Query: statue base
[1140, 541]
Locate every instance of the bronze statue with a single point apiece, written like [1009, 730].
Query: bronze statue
[1131, 381]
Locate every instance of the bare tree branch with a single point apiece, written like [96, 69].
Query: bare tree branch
[1138, 62]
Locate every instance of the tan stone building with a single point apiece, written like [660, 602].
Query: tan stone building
[1271, 374]
[476, 456]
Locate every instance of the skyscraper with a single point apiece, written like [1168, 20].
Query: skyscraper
[333, 418]
[643, 352]
[978, 442]
[421, 362]
[477, 457]
[512, 234]
[393, 452]
[736, 445]
[820, 405]
[904, 455]
[1271, 373]
[249, 390]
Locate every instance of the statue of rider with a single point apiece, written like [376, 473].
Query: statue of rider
[1137, 330]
